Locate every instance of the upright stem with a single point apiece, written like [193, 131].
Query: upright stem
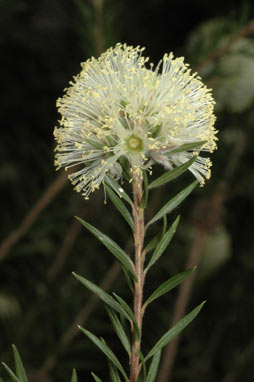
[139, 231]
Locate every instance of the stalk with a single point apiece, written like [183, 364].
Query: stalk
[139, 232]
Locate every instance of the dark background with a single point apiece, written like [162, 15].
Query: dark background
[42, 44]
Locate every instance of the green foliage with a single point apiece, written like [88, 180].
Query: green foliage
[106, 350]
[172, 174]
[119, 331]
[173, 332]
[20, 375]
[120, 206]
[112, 247]
[105, 297]
[151, 377]
[168, 285]
[163, 243]
[74, 377]
[174, 202]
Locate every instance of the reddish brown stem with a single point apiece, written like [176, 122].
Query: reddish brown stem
[139, 232]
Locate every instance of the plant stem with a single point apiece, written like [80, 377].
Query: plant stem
[139, 232]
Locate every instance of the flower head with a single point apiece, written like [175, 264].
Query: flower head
[119, 108]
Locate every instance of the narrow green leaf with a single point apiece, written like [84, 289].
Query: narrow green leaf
[111, 246]
[10, 372]
[172, 174]
[152, 243]
[128, 279]
[97, 379]
[174, 202]
[163, 243]
[106, 350]
[74, 377]
[144, 199]
[119, 190]
[119, 330]
[151, 376]
[114, 376]
[20, 371]
[164, 227]
[188, 146]
[120, 206]
[168, 285]
[142, 359]
[130, 314]
[173, 332]
[105, 297]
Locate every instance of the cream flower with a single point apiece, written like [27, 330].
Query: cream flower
[119, 108]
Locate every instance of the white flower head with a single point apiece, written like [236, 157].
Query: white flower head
[119, 108]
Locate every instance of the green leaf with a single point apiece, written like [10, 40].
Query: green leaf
[172, 174]
[163, 243]
[143, 364]
[151, 376]
[114, 376]
[20, 371]
[152, 244]
[188, 146]
[168, 285]
[119, 190]
[173, 332]
[10, 372]
[111, 246]
[174, 202]
[105, 297]
[130, 314]
[144, 199]
[106, 350]
[119, 330]
[120, 206]
[97, 379]
[74, 377]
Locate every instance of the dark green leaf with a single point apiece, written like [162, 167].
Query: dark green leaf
[174, 202]
[105, 297]
[106, 350]
[74, 377]
[97, 379]
[114, 376]
[145, 192]
[10, 372]
[119, 190]
[143, 364]
[172, 174]
[119, 330]
[163, 243]
[20, 371]
[111, 246]
[173, 332]
[188, 146]
[164, 227]
[151, 377]
[130, 314]
[168, 285]
[152, 244]
[128, 279]
[120, 206]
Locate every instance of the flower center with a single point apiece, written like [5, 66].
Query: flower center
[134, 144]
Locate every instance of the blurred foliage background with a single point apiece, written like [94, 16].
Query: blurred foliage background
[42, 44]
